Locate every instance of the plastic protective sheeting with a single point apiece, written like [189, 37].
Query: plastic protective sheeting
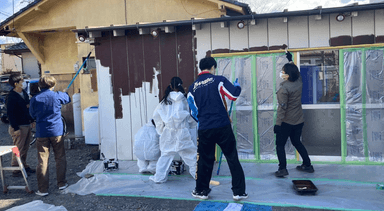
[341, 187]
[146, 145]
[266, 80]
[37, 205]
[244, 134]
[375, 103]
[244, 124]
[224, 68]
[243, 71]
[354, 104]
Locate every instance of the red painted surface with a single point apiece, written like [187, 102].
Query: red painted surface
[340, 41]
[364, 39]
[169, 66]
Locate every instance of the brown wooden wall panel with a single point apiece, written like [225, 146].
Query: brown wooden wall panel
[168, 59]
[151, 58]
[103, 50]
[135, 59]
[119, 70]
[119, 64]
[185, 55]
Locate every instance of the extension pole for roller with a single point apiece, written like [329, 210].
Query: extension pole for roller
[221, 154]
[77, 73]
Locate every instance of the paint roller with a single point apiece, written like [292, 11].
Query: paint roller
[77, 73]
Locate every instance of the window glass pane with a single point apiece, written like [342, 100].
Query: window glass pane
[320, 73]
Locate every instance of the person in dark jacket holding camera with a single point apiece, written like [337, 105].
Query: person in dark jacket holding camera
[290, 118]
[20, 121]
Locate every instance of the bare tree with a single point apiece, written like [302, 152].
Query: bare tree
[26, 1]
[262, 6]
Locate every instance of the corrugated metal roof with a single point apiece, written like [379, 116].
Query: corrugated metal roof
[16, 49]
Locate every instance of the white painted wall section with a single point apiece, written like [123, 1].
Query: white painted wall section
[238, 38]
[30, 65]
[107, 123]
[203, 38]
[220, 36]
[319, 31]
[277, 32]
[258, 34]
[379, 22]
[298, 32]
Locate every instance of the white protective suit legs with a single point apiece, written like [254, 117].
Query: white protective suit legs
[173, 124]
[165, 161]
[147, 166]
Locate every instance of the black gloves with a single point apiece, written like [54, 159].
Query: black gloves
[289, 56]
[277, 129]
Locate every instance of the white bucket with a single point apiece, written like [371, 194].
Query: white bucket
[91, 125]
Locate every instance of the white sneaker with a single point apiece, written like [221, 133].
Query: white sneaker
[63, 187]
[41, 194]
[239, 197]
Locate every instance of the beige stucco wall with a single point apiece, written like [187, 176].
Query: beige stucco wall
[56, 14]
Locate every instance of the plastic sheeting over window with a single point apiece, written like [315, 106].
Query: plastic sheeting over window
[364, 108]
[268, 68]
[375, 103]
[241, 115]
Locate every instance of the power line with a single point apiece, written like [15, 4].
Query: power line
[5, 13]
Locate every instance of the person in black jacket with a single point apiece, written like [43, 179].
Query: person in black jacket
[290, 118]
[20, 121]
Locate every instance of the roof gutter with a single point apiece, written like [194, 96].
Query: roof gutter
[243, 17]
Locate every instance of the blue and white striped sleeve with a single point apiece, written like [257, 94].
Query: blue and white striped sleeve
[192, 106]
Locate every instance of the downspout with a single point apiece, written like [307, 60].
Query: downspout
[125, 7]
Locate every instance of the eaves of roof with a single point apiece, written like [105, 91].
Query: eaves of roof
[19, 12]
[16, 49]
[245, 6]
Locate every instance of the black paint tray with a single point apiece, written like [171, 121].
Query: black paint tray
[304, 186]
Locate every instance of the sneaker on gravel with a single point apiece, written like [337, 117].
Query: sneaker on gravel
[41, 194]
[281, 173]
[304, 168]
[202, 194]
[63, 187]
[239, 197]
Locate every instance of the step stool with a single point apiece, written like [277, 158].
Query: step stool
[13, 149]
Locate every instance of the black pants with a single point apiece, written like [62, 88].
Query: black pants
[206, 156]
[294, 132]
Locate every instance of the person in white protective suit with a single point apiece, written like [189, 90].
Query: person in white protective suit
[146, 148]
[173, 123]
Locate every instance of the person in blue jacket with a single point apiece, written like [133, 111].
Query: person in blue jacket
[205, 99]
[45, 107]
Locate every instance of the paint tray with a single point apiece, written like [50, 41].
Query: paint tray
[304, 186]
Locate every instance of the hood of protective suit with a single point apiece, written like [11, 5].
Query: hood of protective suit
[176, 96]
[175, 115]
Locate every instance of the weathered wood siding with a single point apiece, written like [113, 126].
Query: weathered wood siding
[140, 69]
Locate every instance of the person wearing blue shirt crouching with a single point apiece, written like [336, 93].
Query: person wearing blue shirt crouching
[45, 107]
